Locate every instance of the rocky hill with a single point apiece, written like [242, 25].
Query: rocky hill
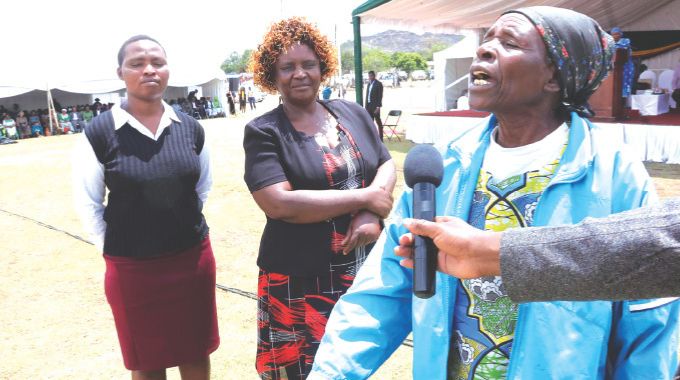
[398, 40]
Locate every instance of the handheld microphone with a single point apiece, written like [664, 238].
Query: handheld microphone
[423, 171]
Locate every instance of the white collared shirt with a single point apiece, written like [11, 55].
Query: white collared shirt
[89, 189]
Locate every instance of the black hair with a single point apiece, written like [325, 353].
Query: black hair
[371, 72]
[139, 37]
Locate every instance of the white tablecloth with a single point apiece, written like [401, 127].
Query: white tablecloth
[658, 143]
[439, 129]
[650, 104]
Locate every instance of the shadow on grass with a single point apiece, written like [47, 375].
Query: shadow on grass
[402, 146]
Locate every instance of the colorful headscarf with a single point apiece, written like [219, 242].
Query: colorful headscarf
[578, 47]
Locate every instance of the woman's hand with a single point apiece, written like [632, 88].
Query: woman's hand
[378, 201]
[363, 229]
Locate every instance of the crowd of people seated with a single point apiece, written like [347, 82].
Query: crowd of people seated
[200, 108]
[16, 123]
[21, 124]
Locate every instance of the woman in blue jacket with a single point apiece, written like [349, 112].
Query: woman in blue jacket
[536, 162]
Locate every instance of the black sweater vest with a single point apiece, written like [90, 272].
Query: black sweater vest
[153, 208]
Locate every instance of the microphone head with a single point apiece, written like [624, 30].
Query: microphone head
[423, 164]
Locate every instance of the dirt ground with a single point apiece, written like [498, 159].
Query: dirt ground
[55, 321]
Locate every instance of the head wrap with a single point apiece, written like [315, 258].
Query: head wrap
[616, 29]
[578, 47]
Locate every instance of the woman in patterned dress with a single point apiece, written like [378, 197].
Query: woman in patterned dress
[324, 179]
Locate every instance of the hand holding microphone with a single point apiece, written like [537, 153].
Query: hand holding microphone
[423, 171]
[464, 251]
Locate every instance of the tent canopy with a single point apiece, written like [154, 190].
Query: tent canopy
[453, 15]
[463, 16]
[103, 83]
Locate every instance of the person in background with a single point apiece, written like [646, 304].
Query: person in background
[192, 96]
[160, 268]
[185, 106]
[175, 106]
[242, 98]
[10, 127]
[207, 106]
[36, 127]
[96, 106]
[230, 101]
[326, 92]
[341, 90]
[217, 107]
[204, 107]
[87, 115]
[45, 121]
[64, 120]
[22, 125]
[323, 178]
[76, 119]
[675, 85]
[251, 98]
[629, 66]
[536, 162]
[374, 96]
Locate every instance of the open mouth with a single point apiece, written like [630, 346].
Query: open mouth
[479, 78]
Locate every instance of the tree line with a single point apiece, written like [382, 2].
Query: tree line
[371, 59]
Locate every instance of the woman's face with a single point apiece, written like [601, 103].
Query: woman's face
[144, 70]
[511, 69]
[298, 75]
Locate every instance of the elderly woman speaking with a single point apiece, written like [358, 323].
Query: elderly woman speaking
[536, 162]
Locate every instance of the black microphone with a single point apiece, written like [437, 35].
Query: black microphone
[423, 171]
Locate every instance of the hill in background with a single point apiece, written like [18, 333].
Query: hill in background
[392, 41]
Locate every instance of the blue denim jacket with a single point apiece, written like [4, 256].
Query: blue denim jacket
[553, 340]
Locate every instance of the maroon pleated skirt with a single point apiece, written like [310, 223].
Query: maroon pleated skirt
[164, 308]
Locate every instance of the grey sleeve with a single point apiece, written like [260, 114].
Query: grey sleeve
[634, 254]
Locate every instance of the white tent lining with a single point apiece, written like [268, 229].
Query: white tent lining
[453, 15]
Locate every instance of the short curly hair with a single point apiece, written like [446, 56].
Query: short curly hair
[280, 37]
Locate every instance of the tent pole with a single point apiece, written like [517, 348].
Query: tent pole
[50, 108]
[358, 68]
[337, 46]
[51, 111]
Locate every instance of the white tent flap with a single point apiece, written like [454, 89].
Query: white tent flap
[452, 15]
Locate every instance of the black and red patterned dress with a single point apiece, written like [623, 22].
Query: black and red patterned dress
[302, 269]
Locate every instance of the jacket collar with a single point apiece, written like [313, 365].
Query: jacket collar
[577, 157]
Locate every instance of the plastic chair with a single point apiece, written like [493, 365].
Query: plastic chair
[648, 76]
[391, 124]
[665, 82]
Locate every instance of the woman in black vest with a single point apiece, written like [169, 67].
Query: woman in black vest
[160, 269]
[324, 179]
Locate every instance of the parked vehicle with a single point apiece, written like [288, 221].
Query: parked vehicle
[387, 79]
[259, 95]
[419, 75]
